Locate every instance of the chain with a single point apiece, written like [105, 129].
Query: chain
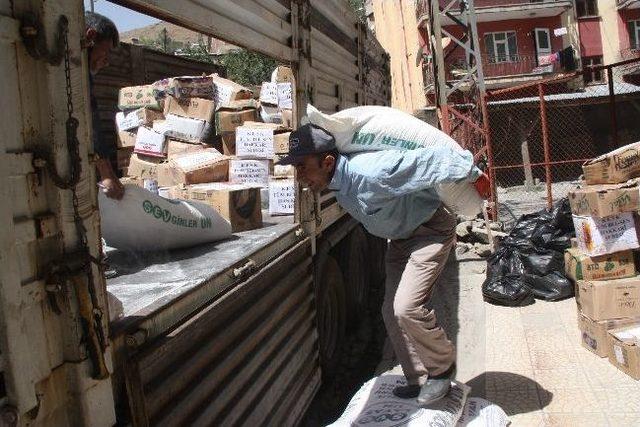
[73, 147]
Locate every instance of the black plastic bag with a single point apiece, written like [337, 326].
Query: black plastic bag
[530, 260]
[507, 290]
[550, 287]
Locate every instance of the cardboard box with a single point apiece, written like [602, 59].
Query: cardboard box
[615, 167]
[190, 87]
[594, 336]
[281, 143]
[269, 93]
[253, 172]
[150, 143]
[282, 197]
[185, 128]
[229, 121]
[133, 97]
[123, 157]
[254, 142]
[624, 349]
[176, 148]
[144, 167]
[285, 96]
[228, 143]
[284, 171]
[283, 74]
[126, 139]
[287, 118]
[239, 204]
[165, 175]
[605, 200]
[227, 91]
[601, 236]
[270, 114]
[194, 108]
[610, 299]
[136, 118]
[579, 266]
[197, 167]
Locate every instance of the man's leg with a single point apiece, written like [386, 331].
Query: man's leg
[395, 263]
[413, 266]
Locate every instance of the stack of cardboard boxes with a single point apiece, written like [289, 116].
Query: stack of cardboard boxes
[602, 259]
[198, 137]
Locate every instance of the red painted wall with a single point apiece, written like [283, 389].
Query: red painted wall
[590, 39]
[524, 29]
[625, 16]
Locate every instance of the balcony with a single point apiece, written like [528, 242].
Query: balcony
[501, 10]
[628, 4]
[505, 71]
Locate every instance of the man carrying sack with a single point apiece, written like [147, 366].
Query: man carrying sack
[392, 194]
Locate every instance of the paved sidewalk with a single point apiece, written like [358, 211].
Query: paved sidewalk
[529, 360]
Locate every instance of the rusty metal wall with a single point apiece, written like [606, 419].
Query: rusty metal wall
[248, 358]
[131, 65]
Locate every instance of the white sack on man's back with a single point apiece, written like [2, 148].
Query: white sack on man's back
[144, 221]
[373, 128]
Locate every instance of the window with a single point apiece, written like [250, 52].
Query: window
[595, 76]
[634, 34]
[587, 8]
[501, 47]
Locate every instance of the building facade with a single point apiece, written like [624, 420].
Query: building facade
[525, 40]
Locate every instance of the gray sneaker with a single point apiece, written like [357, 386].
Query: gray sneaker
[436, 388]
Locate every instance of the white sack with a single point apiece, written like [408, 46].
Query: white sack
[481, 413]
[147, 222]
[373, 128]
[375, 405]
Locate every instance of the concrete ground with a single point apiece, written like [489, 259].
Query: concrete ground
[528, 360]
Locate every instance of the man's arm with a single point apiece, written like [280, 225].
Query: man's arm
[109, 181]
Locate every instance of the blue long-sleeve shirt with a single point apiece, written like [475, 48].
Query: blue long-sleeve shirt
[392, 192]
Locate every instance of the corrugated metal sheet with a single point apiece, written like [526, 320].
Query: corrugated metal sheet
[260, 25]
[238, 360]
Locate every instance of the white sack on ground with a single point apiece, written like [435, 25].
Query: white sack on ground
[481, 413]
[375, 405]
[373, 128]
[144, 221]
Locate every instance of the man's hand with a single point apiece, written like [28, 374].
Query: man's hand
[112, 188]
[483, 186]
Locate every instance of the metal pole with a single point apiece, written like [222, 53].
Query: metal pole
[492, 173]
[612, 108]
[545, 143]
[91, 3]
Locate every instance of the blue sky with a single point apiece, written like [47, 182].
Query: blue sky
[125, 19]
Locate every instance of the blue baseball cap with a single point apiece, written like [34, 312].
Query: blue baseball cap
[307, 139]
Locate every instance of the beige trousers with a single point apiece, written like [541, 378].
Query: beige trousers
[412, 267]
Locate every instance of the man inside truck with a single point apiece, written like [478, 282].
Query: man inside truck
[392, 194]
[100, 37]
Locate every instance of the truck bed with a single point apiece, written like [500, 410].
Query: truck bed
[147, 281]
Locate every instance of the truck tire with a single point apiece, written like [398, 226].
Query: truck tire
[354, 257]
[331, 314]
